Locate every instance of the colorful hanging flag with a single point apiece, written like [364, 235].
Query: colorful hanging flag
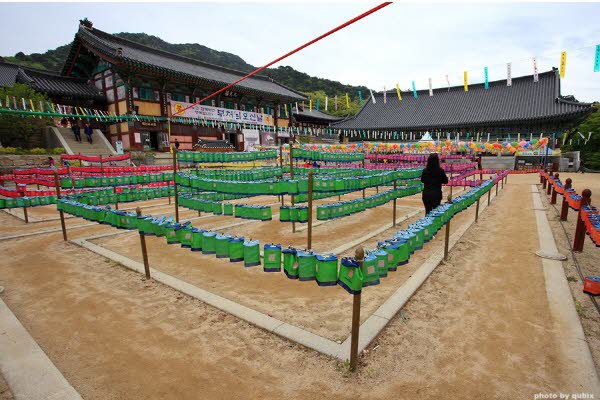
[335, 102]
[485, 76]
[318, 104]
[430, 88]
[360, 97]
[448, 82]
[7, 102]
[536, 77]
[372, 97]
[326, 101]
[347, 100]
[398, 92]
[508, 74]
[24, 105]
[563, 64]
[597, 59]
[286, 110]
[31, 103]
[466, 79]
[41, 106]
[14, 99]
[297, 112]
[414, 89]
[384, 96]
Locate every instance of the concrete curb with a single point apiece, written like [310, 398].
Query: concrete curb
[566, 322]
[28, 371]
[44, 232]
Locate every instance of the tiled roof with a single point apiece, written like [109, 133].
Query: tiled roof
[8, 74]
[135, 54]
[47, 82]
[317, 115]
[58, 85]
[500, 105]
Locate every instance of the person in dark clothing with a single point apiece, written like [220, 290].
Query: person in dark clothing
[76, 131]
[177, 144]
[88, 132]
[433, 178]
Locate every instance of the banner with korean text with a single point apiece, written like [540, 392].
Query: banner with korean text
[219, 114]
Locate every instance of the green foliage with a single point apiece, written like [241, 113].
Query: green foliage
[53, 60]
[16, 130]
[38, 150]
[34, 151]
[590, 152]
[342, 109]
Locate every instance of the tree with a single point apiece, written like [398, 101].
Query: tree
[342, 109]
[590, 151]
[17, 130]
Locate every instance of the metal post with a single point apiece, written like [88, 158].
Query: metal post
[143, 243]
[292, 177]
[489, 196]
[26, 217]
[175, 183]
[553, 197]
[586, 200]
[544, 181]
[451, 179]
[359, 255]
[60, 212]
[310, 208]
[477, 211]
[564, 210]
[447, 239]
[496, 189]
[394, 210]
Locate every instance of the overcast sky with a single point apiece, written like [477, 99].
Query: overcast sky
[400, 43]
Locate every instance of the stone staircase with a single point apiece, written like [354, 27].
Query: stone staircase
[64, 137]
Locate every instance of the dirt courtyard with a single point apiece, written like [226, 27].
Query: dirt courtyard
[479, 328]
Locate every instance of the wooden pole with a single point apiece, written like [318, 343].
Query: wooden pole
[25, 216]
[359, 254]
[549, 189]
[564, 210]
[292, 177]
[477, 211]
[138, 211]
[60, 212]
[117, 196]
[175, 183]
[310, 208]
[496, 189]
[586, 200]
[101, 166]
[553, 196]
[489, 196]
[447, 239]
[394, 209]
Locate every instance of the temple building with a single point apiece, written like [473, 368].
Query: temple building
[139, 80]
[525, 106]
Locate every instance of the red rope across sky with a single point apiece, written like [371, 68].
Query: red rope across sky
[345, 24]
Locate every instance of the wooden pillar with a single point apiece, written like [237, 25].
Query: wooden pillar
[553, 197]
[564, 210]
[359, 255]
[60, 212]
[310, 209]
[175, 183]
[586, 200]
[292, 177]
[394, 210]
[143, 244]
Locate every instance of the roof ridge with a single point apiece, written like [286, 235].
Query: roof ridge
[544, 74]
[168, 53]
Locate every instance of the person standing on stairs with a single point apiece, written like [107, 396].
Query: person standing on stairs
[76, 131]
[88, 132]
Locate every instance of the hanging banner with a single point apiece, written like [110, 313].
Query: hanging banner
[326, 101]
[218, 114]
[430, 88]
[347, 100]
[466, 79]
[597, 59]
[398, 92]
[536, 77]
[414, 89]
[384, 96]
[485, 76]
[360, 97]
[372, 97]
[448, 82]
[508, 74]
[335, 102]
[563, 64]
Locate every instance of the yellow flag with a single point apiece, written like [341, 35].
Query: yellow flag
[563, 63]
[347, 101]
[466, 82]
[398, 91]
[53, 109]
[310, 105]
[31, 103]
[286, 111]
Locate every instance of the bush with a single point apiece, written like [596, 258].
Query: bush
[58, 150]
[38, 150]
